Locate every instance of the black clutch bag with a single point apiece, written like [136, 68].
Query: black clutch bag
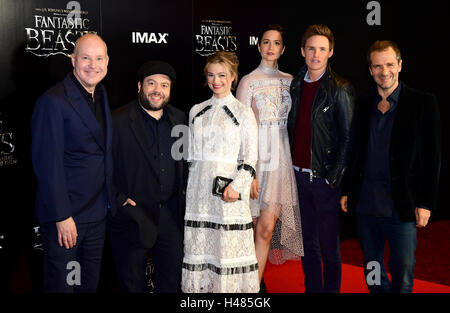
[219, 185]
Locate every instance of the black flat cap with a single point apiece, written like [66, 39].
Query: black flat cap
[156, 67]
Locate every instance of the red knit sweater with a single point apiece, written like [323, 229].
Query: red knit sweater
[302, 136]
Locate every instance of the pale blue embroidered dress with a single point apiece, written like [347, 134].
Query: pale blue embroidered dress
[266, 91]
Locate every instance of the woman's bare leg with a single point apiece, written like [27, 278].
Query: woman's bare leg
[265, 225]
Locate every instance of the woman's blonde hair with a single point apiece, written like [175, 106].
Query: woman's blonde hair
[228, 59]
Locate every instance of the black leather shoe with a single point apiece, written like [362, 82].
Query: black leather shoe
[262, 287]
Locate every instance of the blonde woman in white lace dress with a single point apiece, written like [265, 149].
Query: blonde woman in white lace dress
[274, 203]
[219, 251]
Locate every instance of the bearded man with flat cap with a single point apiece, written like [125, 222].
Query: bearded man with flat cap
[150, 185]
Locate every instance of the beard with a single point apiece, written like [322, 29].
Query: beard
[146, 104]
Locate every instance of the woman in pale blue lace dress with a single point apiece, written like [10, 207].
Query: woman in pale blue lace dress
[274, 203]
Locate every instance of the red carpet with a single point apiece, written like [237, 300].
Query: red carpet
[432, 271]
[288, 278]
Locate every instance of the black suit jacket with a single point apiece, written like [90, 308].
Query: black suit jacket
[135, 171]
[71, 158]
[414, 155]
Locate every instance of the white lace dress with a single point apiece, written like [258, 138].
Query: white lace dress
[219, 252]
[266, 91]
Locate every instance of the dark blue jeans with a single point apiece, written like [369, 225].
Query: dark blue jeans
[319, 209]
[373, 232]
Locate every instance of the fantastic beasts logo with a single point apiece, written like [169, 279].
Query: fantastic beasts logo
[7, 146]
[55, 30]
[215, 35]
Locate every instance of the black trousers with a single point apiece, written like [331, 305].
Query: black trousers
[319, 208]
[130, 257]
[75, 270]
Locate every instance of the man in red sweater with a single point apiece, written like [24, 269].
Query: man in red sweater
[320, 134]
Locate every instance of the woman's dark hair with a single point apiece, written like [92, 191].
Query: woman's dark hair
[276, 27]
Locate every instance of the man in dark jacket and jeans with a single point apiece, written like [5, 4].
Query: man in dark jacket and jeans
[392, 183]
[320, 135]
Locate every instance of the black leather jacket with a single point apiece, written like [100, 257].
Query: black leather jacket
[331, 124]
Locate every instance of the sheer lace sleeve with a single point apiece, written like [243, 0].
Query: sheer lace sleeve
[243, 93]
[248, 154]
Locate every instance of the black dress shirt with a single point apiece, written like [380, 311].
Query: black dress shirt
[376, 191]
[94, 102]
[161, 144]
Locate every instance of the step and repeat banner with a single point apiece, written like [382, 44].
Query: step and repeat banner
[37, 38]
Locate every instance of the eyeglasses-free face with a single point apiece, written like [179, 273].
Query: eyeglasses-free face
[219, 79]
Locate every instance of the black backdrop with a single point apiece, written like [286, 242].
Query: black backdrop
[34, 55]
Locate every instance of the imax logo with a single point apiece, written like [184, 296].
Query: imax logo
[138, 37]
[253, 41]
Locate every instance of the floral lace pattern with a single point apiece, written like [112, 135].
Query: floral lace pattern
[219, 252]
[266, 91]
